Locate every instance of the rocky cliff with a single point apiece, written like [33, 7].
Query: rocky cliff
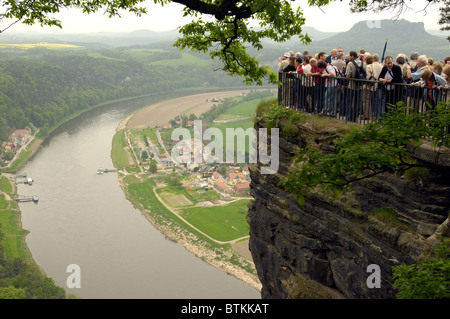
[322, 249]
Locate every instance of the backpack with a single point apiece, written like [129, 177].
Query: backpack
[338, 72]
[360, 72]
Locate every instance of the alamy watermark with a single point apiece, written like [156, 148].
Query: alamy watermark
[74, 279]
[373, 24]
[374, 279]
[190, 149]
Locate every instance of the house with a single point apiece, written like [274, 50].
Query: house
[235, 178]
[20, 136]
[242, 188]
[167, 125]
[221, 187]
[9, 147]
[190, 123]
[217, 176]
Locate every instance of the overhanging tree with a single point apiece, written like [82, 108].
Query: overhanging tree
[225, 37]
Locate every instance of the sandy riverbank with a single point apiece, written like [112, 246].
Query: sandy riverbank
[161, 113]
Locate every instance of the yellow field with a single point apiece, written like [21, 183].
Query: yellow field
[38, 45]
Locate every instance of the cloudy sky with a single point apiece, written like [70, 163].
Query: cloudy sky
[334, 17]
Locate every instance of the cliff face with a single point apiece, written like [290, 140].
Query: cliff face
[322, 249]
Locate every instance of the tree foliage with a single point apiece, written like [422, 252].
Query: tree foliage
[379, 147]
[427, 280]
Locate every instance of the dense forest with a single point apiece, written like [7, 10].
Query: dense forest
[43, 86]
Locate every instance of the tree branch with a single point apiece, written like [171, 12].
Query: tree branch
[226, 8]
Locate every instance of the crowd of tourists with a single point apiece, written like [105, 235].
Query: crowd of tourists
[360, 85]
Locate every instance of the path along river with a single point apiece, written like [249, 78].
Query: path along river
[83, 218]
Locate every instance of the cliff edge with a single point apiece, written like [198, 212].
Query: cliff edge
[323, 248]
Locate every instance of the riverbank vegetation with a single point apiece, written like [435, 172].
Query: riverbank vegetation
[20, 276]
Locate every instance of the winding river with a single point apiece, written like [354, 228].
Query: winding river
[83, 218]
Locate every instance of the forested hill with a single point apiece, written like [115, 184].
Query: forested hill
[403, 37]
[44, 85]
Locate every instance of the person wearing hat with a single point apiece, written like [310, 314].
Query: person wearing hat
[284, 62]
[413, 61]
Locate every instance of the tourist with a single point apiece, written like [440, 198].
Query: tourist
[446, 88]
[321, 56]
[283, 61]
[422, 63]
[413, 61]
[437, 68]
[415, 94]
[289, 81]
[361, 54]
[430, 81]
[447, 60]
[306, 85]
[401, 62]
[339, 62]
[375, 70]
[354, 98]
[390, 75]
[331, 88]
[332, 57]
[295, 95]
[291, 65]
[319, 86]
[446, 73]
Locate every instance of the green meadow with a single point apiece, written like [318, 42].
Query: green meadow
[10, 225]
[120, 156]
[222, 223]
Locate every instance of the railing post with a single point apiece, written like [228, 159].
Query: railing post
[280, 87]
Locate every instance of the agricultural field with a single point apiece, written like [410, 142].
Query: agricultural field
[39, 45]
[181, 197]
[245, 109]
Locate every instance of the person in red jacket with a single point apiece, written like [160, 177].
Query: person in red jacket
[319, 85]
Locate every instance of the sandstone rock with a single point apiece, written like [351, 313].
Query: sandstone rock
[322, 249]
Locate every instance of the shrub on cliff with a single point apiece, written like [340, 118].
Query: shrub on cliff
[427, 280]
[380, 147]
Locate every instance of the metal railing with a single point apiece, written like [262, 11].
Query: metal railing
[352, 100]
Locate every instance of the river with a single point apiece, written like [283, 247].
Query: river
[85, 219]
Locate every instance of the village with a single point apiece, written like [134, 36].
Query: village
[16, 142]
[157, 148]
[228, 179]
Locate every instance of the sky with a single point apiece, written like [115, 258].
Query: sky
[335, 17]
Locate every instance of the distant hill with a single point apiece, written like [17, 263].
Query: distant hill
[403, 37]
[96, 40]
